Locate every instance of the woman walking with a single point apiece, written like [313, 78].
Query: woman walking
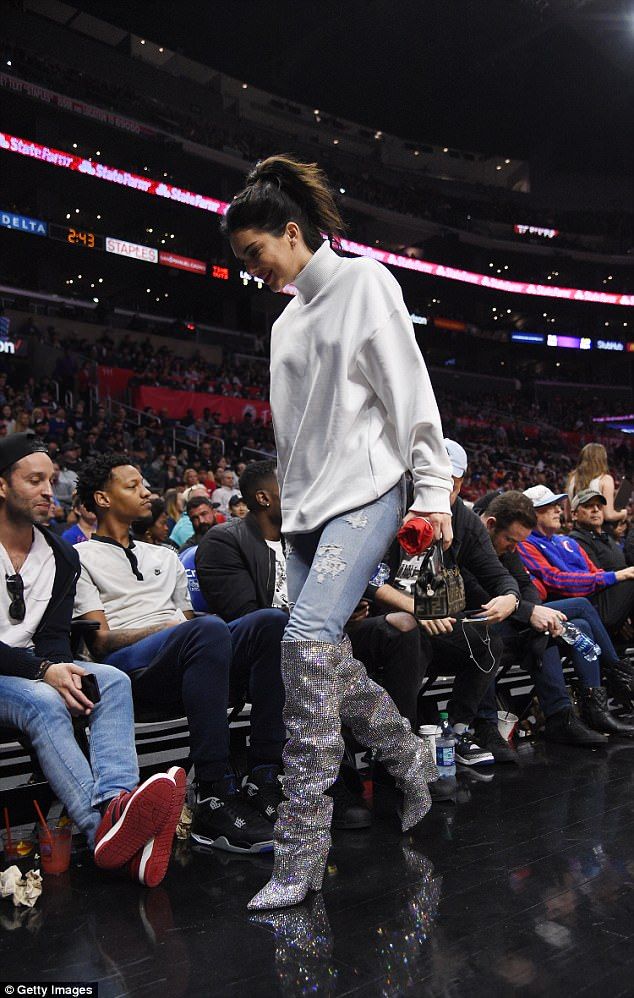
[353, 409]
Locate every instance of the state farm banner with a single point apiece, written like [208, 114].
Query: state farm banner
[113, 381]
[178, 404]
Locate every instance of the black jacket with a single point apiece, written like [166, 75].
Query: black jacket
[600, 548]
[52, 638]
[236, 568]
[475, 556]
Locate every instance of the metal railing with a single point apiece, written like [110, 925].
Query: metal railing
[179, 433]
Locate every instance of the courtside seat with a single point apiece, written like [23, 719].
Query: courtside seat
[188, 560]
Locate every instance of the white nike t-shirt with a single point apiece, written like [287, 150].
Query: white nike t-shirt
[280, 596]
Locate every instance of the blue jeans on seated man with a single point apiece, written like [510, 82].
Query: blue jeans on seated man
[38, 711]
[550, 685]
[203, 665]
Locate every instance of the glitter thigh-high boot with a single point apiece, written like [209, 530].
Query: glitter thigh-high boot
[373, 718]
[311, 671]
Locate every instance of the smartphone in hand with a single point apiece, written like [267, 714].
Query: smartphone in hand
[90, 687]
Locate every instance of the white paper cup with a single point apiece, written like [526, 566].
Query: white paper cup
[430, 732]
[506, 723]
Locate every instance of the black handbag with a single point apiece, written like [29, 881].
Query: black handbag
[439, 590]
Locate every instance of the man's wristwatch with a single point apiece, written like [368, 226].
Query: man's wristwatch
[41, 672]
[517, 601]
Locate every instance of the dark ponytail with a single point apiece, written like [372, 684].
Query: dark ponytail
[280, 190]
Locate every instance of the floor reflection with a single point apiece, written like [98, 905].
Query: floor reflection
[303, 947]
[401, 944]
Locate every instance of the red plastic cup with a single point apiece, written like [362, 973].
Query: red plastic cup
[55, 847]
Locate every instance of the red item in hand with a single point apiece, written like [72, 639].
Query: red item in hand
[416, 535]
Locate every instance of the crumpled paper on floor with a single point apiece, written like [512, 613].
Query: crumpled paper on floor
[25, 890]
[183, 827]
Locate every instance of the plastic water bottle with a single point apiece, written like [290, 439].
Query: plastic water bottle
[573, 636]
[445, 748]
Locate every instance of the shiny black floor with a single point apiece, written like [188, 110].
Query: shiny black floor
[523, 887]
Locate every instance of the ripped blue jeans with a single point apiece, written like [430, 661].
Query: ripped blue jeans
[328, 569]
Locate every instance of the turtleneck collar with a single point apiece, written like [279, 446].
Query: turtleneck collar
[318, 271]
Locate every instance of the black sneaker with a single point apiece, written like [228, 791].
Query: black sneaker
[487, 736]
[226, 820]
[469, 753]
[349, 810]
[264, 790]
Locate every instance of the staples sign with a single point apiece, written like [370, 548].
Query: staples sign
[131, 250]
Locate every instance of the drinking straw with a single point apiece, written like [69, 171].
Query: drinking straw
[7, 825]
[43, 820]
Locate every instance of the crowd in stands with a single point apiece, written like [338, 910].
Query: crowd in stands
[409, 194]
[513, 442]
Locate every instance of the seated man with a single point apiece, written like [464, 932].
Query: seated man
[84, 527]
[238, 508]
[587, 509]
[529, 634]
[41, 687]
[201, 512]
[137, 593]
[184, 527]
[467, 648]
[560, 567]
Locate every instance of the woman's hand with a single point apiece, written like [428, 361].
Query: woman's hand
[441, 522]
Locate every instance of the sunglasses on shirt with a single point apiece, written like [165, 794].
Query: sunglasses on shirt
[15, 588]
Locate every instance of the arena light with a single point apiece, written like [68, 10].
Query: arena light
[535, 230]
[569, 342]
[527, 337]
[100, 171]
[616, 345]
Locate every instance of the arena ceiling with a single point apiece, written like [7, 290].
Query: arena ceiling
[545, 79]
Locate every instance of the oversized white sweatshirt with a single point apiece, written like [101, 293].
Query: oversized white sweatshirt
[352, 403]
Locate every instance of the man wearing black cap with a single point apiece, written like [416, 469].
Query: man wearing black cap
[238, 508]
[41, 687]
[588, 516]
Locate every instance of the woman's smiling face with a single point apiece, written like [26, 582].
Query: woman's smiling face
[275, 260]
